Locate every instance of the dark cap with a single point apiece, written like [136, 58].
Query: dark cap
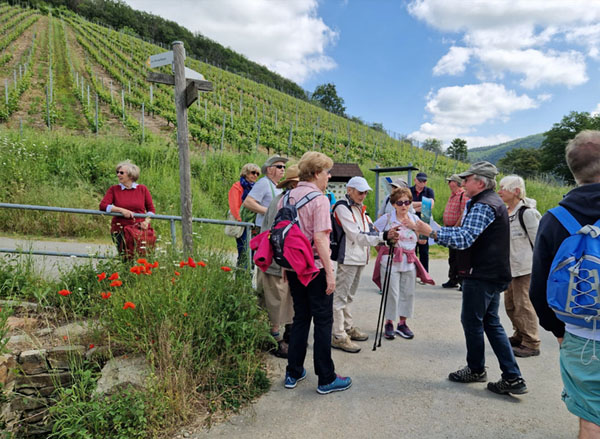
[485, 169]
[455, 178]
[421, 176]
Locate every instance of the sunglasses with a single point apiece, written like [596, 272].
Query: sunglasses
[120, 172]
[403, 203]
[279, 166]
[254, 172]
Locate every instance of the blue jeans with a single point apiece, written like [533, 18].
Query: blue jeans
[311, 303]
[480, 313]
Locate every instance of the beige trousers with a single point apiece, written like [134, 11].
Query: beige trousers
[346, 284]
[275, 298]
[521, 312]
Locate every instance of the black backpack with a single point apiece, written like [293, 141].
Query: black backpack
[288, 212]
[337, 232]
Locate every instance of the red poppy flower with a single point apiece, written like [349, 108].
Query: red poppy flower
[172, 280]
[128, 305]
[136, 269]
[185, 314]
[201, 263]
[155, 264]
[148, 272]
[91, 346]
[191, 262]
[182, 264]
[65, 338]
[142, 261]
[116, 283]
[177, 273]
[114, 276]
[106, 295]
[64, 293]
[101, 276]
[226, 268]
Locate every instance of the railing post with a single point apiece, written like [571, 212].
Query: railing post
[173, 234]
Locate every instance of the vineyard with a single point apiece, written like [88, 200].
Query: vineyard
[62, 72]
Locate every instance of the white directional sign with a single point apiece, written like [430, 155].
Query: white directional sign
[192, 74]
[162, 59]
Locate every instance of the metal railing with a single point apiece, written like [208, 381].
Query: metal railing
[171, 218]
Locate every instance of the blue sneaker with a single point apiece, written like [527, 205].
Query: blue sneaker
[339, 384]
[291, 382]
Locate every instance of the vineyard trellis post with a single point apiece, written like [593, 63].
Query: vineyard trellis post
[96, 116]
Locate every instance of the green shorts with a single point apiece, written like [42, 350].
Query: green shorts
[581, 392]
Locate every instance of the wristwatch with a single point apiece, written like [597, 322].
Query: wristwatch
[433, 235]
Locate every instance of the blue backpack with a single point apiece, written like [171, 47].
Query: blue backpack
[574, 281]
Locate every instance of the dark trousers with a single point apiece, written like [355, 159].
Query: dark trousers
[453, 266]
[311, 303]
[480, 313]
[241, 249]
[423, 252]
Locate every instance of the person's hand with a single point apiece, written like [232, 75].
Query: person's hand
[144, 224]
[422, 228]
[409, 223]
[422, 241]
[126, 213]
[560, 340]
[392, 234]
[330, 283]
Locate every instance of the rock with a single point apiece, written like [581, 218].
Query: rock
[17, 304]
[98, 354]
[21, 323]
[122, 372]
[62, 357]
[33, 416]
[18, 343]
[7, 363]
[33, 362]
[42, 382]
[76, 329]
[43, 331]
[21, 403]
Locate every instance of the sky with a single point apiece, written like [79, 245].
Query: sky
[487, 71]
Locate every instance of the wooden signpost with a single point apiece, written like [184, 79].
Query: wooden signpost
[187, 84]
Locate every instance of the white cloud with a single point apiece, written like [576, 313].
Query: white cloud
[289, 37]
[454, 62]
[515, 36]
[596, 111]
[456, 111]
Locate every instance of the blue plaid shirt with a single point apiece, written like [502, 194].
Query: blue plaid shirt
[477, 220]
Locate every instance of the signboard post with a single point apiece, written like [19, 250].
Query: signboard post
[187, 84]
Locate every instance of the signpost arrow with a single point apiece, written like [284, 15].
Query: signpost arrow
[159, 60]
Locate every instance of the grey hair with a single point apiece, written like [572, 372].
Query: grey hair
[133, 171]
[583, 157]
[489, 183]
[513, 182]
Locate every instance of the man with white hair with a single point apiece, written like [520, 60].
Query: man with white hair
[353, 255]
[579, 365]
[484, 265]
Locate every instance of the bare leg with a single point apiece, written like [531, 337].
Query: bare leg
[588, 430]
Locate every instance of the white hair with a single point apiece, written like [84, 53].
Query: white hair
[513, 182]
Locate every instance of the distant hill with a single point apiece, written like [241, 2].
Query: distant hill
[496, 152]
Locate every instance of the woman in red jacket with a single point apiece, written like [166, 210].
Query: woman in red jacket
[127, 198]
[237, 194]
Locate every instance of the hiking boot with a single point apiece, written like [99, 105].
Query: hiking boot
[344, 344]
[338, 385]
[466, 375]
[514, 341]
[290, 382]
[450, 284]
[282, 349]
[524, 352]
[504, 387]
[355, 334]
[404, 331]
[389, 331]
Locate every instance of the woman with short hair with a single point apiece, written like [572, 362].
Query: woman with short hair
[237, 194]
[127, 198]
[313, 302]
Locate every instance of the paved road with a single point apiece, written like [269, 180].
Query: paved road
[401, 390]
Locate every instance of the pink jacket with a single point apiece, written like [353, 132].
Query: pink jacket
[398, 256]
[297, 250]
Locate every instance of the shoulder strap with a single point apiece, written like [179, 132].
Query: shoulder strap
[521, 212]
[307, 198]
[566, 219]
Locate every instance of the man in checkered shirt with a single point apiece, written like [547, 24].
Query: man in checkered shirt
[482, 241]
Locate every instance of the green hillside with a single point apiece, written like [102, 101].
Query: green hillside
[496, 152]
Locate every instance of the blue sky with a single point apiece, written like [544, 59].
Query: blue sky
[484, 70]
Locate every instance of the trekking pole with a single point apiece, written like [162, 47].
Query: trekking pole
[384, 293]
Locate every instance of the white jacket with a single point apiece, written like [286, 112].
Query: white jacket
[359, 234]
[521, 253]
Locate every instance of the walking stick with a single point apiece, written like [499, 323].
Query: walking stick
[384, 294]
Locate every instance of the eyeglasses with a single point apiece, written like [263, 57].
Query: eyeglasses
[254, 172]
[361, 192]
[121, 172]
[403, 203]
[279, 166]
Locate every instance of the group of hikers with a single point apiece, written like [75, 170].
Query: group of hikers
[498, 242]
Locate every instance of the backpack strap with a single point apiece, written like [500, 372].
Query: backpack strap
[307, 198]
[522, 210]
[566, 219]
